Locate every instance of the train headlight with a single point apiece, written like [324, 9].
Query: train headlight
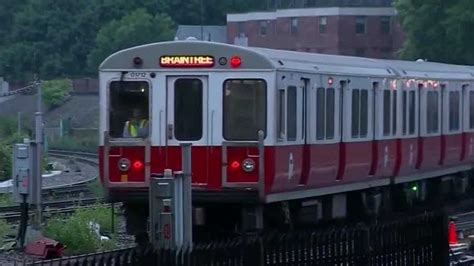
[124, 164]
[248, 165]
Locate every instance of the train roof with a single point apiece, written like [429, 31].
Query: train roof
[273, 59]
[422, 69]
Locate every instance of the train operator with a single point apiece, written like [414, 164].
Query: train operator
[136, 126]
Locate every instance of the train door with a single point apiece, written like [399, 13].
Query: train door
[186, 122]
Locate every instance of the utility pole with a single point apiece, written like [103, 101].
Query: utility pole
[38, 179]
[19, 123]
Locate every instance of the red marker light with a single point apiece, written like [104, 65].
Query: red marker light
[330, 81]
[235, 165]
[235, 61]
[137, 165]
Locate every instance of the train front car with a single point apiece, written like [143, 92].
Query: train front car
[157, 96]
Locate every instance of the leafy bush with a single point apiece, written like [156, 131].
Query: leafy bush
[55, 92]
[74, 231]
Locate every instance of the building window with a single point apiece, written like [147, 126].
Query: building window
[323, 21]
[241, 28]
[294, 26]
[263, 28]
[360, 25]
[385, 25]
[245, 108]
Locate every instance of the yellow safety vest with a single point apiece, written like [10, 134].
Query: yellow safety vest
[133, 130]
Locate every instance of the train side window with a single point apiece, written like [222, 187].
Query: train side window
[454, 103]
[411, 112]
[330, 112]
[245, 108]
[386, 112]
[129, 109]
[355, 113]
[291, 118]
[432, 115]
[471, 109]
[404, 113]
[320, 113]
[394, 112]
[364, 107]
[188, 109]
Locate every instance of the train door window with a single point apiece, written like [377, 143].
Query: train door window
[330, 112]
[359, 113]
[355, 113]
[320, 110]
[281, 127]
[454, 103]
[325, 102]
[386, 112]
[129, 103]
[411, 112]
[245, 108]
[394, 112]
[291, 118]
[471, 109]
[404, 113]
[188, 109]
[364, 107]
[432, 112]
[304, 111]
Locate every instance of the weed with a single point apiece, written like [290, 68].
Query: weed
[74, 231]
[5, 229]
[6, 199]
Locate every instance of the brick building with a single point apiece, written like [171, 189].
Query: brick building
[361, 31]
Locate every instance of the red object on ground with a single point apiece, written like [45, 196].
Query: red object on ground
[45, 248]
[452, 235]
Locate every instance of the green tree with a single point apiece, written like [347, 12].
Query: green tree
[55, 92]
[139, 27]
[459, 24]
[437, 30]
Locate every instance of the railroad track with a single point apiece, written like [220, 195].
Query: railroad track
[86, 157]
[78, 194]
[12, 213]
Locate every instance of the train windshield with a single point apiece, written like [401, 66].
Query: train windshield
[129, 105]
[245, 108]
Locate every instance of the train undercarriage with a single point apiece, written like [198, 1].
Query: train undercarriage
[243, 213]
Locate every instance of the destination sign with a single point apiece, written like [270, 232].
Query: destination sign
[186, 61]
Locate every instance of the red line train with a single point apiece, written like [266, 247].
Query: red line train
[273, 128]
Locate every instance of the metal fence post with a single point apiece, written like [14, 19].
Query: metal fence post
[187, 195]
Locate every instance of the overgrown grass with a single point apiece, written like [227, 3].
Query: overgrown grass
[5, 229]
[86, 144]
[74, 231]
[6, 199]
[96, 188]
